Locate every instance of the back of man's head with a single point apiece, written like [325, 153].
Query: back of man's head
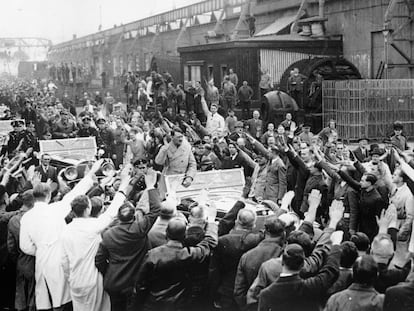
[194, 235]
[349, 254]
[176, 229]
[301, 238]
[41, 191]
[246, 219]
[274, 226]
[365, 270]
[197, 216]
[382, 249]
[361, 241]
[293, 257]
[126, 212]
[80, 204]
[96, 204]
[168, 209]
[28, 199]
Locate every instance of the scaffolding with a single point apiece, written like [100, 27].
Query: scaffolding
[368, 108]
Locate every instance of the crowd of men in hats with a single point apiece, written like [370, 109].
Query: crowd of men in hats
[337, 235]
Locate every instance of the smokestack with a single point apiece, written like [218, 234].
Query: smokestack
[321, 8]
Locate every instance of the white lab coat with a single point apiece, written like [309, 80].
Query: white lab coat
[80, 241]
[40, 236]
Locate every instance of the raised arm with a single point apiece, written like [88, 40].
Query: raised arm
[144, 225]
[204, 106]
[105, 219]
[349, 180]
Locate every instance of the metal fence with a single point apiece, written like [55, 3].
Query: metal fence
[368, 108]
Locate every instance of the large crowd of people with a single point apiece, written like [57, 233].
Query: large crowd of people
[337, 234]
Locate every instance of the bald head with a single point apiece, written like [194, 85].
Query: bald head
[197, 216]
[246, 219]
[176, 229]
[197, 212]
[382, 249]
[168, 209]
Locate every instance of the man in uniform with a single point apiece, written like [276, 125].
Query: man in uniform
[295, 86]
[86, 130]
[65, 127]
[105, 139]
[20, 139]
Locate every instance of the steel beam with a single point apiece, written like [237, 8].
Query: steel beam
[401, 52]
[25, 42]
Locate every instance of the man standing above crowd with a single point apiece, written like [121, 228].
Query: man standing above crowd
[178, 158]
[255, 125]
[215, 122]
[229, 93]
[296, 83]
[245, 94]
[233, 77]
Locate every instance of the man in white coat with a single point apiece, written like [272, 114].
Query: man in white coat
[177, 158]
[80, 240]
[40, 236]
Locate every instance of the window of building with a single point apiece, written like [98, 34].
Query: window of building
[148, 57]
[192, 72]
[129, 65]
[186, 73]
[137, 64]
[195, 74]
[115, 64]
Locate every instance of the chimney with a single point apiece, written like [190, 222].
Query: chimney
[321, 8]
[74, 36]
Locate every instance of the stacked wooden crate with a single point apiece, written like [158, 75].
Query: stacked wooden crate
[368, 108]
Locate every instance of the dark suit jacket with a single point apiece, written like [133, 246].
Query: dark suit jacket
[249, 266]
[292, 293]
[51, 173]
[123, 248]
[388, 277]
[400, 297]
[165, 272]
[226, 258]
[238, 162]
[360, 156]
[255, 127]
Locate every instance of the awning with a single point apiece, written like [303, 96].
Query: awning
[277, 26]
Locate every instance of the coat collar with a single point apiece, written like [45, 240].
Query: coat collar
[361, 287]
